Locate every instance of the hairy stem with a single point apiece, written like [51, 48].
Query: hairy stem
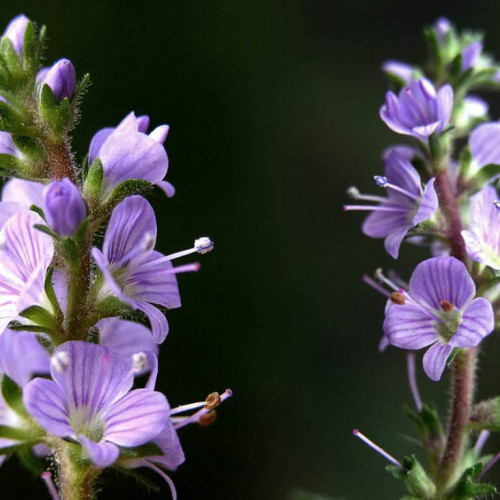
[61, 161]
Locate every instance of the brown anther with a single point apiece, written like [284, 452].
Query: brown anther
[397, 298]
[213, 400]
[446, 306]
[208, 419]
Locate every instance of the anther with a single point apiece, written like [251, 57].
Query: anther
[60, 361]
[203, 245]
[139, 362]
[446, 306]
[397, 298]
[207, 419]
[381, 180]
[213, 400]
[353, 192]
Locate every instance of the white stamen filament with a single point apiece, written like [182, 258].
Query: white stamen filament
[401, 190]
[381, 277]
[481, 440]
[201, 245]
[377, 448]
[354, 193]
[188, 407]
[366, 279]
[375, 208]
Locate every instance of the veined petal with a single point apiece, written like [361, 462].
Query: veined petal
[409, 326]
[97, 141]
[169, 443]
[477, 322]
[428, 205]
[23, 193]
[484, 143]
[101, 454]
[136, 418]
[381, 224]
[91, 376]
[444, 103]
[435, 360]
[393, 241]
[442, 278]
[45, 402]
[159, 324]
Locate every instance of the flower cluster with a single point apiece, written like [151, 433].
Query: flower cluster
[442, 193]
[81, 321]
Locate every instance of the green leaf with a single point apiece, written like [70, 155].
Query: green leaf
[468, 489]
[51, 294]
[11, 121]
[146, 450]
[46, 230]
[29, 146]
[13, 396]
[127, 188]
[485, 174]
[93, 182]
[19, 327]
[414, 477]
[38, 211]
[14, 433]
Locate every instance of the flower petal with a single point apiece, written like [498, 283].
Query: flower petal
[484, 143]
[428, 205]
[434, 360]
[442, 278]
[44, 400]
[136, 418]
[478, 321]
[159, 324]
[393, 241]
[101, 454]
[169, 443]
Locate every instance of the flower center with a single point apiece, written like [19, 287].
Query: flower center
[450, 320]
[89, 425]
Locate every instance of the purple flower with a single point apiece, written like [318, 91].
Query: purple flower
[418, 110]
[26, 254]
[127, 152]
[15, 32]
[90, 400]
[406, 205]
[471, 55]
[442, 26]
[61, 78]
[400, 70]
[133, 271]
[17, 196]
[482, 240]
[439, 310]
[63, 207]
[484, 143]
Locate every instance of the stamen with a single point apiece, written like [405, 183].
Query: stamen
[201, 245]
[377, 448]
[47, 479]
[412, 380]
[60, 361]
[366, 279]
[213, 400]
[481, 440]
[188, 268]
[353, 192]
[446, 306]
[208, 419]
[139, 362]
[383, 182]
[489, 465]
[374, 208]
[397, 298]
[381, 277]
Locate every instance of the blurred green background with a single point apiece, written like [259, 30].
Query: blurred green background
[273, 108]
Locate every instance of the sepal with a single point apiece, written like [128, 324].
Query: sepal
[13, 396]
[145, 450]
[39, 316]
[54, 113]
[468, 489]
[429, 428]
[414, 477]
[486, 415]
[93, 183]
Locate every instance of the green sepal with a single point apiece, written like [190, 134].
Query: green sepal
[69, 250]
[11, 59]
[11, 121]
[112, 306]
[19, 327]
[14, 433]
[139, 478]
[127, 188]
[38, 211]
[414, 477]
[464, 83]
[452, 356]
[31, 51]
[486, 415]
[484, 174]
[56, 115]
[46, 230]
[455, 68]
[80, 235]
[13, 396]
[12, 165]
[51, 294]
[29, 146]
[465, 161]
[145, 450]
[468, 489]
[93, 182]
[433, 47]
[16, 448]
[436, 147]
[39, 316]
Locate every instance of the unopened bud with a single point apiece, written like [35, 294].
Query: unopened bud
[213, 400]
[15, 32]
[61, 78]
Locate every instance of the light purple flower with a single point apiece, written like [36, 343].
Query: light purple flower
[61, 78]
[482, 240]
[400, 70]
[133, 271]
[26, 253]
[471, 55]
[90, 400]
[439, 311]
[15, 32]
[406, 205]
[442, 26]
[63, 207]
[127, 152]
[17, 196]
[484, 143]
[418, 110]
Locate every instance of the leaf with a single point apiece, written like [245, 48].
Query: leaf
[46, 230]
[13, 396]
[39, 316]
[467, 489]
[51, 294]
[13, 433]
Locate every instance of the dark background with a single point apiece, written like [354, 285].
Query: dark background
[273, 107]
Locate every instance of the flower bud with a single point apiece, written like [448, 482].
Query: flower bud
[15, 32]
[63, 206]
[61, 78]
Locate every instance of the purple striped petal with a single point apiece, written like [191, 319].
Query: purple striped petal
[428, 205]
[444, 101]
[484, 143]
[90, 375]
[159, 324]
[393, 241]
[24, 193]
[402, 173]
[409, 326]
[380, 224]
[442, 278]
[470, 55]
[434, 360]
[136, 418]
[132, 225]
[477, 322]
[169, 443]
[97, 141]
[101, 454]
[398, 69]
[45, 402]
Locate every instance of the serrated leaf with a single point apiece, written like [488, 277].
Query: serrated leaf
[13, 396]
